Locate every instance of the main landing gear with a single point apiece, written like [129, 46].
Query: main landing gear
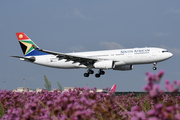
[100, 72]
[155, 63]
[89, 71]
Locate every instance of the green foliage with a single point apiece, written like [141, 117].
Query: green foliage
[1, 110]
[47, 83]
[146, 105]
[59, 86]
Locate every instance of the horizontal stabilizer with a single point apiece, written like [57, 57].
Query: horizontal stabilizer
[16, 56]
[31, 59]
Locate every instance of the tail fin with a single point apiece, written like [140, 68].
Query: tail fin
[113, 89]
[27, 45]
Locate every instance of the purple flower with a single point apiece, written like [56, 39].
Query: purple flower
[151, 112]
[177, 116]
[167, 81]
[141, 115]
[135, 108]
[50, 103]
[153, 93]
[160, 73]
[159, 106]
[146, 87]
[178, 83]
[153, 118]
[169, 109]
[79, 103]
[170, 87]
[63, 117]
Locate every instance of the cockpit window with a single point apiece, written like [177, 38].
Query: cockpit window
[164, 51]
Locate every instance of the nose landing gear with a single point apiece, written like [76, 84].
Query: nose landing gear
[155, 63]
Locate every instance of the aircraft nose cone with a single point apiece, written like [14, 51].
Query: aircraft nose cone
[170, 55]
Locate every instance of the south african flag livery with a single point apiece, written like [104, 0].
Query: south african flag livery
[28, 45]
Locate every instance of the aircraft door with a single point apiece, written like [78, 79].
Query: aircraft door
[153, 55]
[154, 52]
[47, 60]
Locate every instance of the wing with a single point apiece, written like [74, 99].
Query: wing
[70, 57]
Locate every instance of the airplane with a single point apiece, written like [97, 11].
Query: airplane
[113, 89]
[120, 59]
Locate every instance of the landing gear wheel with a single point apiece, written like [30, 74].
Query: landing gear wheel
[154, 68]
[155, 63]
[90, 71]
[102, 72]
[97, 75]
[86, 75]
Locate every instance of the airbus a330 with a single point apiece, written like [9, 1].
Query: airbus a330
[120, 59]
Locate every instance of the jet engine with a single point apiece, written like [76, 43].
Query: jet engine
[123, 67]
[105, 64]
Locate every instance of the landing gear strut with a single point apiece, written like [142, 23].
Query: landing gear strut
[101, 72]
[89, 71]
[155, 63]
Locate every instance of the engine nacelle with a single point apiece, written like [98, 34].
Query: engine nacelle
[123, 67]
[105, 64]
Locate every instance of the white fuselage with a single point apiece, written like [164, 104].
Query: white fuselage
[120, 56]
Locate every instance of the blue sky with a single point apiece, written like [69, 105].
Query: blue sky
[67, 26]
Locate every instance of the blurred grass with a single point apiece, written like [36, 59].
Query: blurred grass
[146, 105]
[1, 110]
